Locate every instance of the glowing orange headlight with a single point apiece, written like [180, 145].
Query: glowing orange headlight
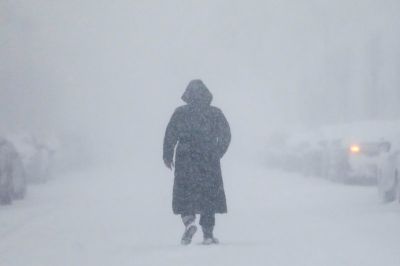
[355, 149]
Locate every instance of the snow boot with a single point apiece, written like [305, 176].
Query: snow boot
[210, 241]
[190, 230]
[209, 238]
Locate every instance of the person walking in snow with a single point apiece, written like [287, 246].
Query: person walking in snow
[199, 135]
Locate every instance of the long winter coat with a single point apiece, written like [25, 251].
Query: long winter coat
[201, 135]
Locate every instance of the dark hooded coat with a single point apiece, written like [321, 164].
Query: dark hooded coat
[200, 134]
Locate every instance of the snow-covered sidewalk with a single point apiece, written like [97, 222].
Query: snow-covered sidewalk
[117, 216]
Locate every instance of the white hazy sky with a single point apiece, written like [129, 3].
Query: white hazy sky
[116, 69]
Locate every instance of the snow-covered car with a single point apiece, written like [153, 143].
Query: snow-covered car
[37, 156]
[388, 176]
[348, 153]
[12, 174]
[328, 159]
[365, 161]
[335, 160]
[351, 163]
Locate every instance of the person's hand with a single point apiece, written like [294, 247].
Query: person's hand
[169, 164]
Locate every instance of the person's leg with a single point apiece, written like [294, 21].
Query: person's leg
[190, 228]
[207, 222]
[188, 219]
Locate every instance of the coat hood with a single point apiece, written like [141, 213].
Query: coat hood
[197, 93]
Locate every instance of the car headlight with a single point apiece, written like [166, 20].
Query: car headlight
[355, 149]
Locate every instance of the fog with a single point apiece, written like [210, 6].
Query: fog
[104, 77]
[114, 71]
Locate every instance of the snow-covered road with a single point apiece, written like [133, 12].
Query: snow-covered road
[120, 217]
